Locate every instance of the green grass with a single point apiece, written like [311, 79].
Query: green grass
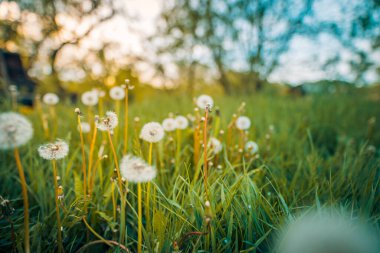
[319, 154]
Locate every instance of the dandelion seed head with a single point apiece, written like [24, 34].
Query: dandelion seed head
[50, 99]
[117, 93]
[215, 145]
[327, 231]
[251, 147]
[243, 123]
[15, 130]
[169, 124]
[190, 117]
[12, 88]
[108, 122]
[204, 101]
[181, 122]
[86, 127]
[90, 98]
[152, 132]
[54, 151]
[371, 149]
[136, 170]
[77, 110]
[207, 203]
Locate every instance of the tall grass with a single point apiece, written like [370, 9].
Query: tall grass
[320, 153]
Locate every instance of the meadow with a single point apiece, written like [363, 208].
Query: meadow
[312, 151]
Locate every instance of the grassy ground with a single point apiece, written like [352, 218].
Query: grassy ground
[320, 153]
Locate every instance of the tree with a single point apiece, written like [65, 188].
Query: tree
[52, 37]
[254, 33]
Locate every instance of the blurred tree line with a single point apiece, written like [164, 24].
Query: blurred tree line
[214, 33]
[202, 38]
[36, 29]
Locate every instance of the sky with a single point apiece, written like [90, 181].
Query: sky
[298, 65]
[302, 63]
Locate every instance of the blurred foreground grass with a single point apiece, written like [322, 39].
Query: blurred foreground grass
[323, 150]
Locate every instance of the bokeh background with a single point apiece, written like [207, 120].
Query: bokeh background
[221, 46]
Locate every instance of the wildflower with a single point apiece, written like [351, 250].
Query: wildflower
[117, 93]
[152, 132]
[107, 123]
[86, 127]
[15, 130]
[6, 208]
[169, 124]
[50, 99]
[251, 147]
[90, 98]
[181, 122]
[204, 100]
[243, 123]
[215, 145]
[54, 151]
[61, 194]
[327, 231]
[136, 170]
[101, 93]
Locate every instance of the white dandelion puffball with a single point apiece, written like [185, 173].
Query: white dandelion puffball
[243, 123]
[15, 130]
[204, 100]
[251, 147]
[86, 127]
[215, 145]
[90, 98]
[182, 122]
[117, 93]
[107, 123]
[152, 132]
[54, 151]
[136, 170]
[327, 231]
[169, 124]
[50, 99]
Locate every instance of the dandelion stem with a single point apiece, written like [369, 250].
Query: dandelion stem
[83, 165]
[92, 147]
[45, 124]
[53, 120]
[125, 146]
[205, 164]
[116, 130]
[113, 200]
[178, 151]
[93, 174]
[122, 213]
[25, 199]
[147, 203]
[139, 246]
[59, 234]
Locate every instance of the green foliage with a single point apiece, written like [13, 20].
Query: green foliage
[319, 153]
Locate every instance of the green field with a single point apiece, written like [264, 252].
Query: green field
[323, 150]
